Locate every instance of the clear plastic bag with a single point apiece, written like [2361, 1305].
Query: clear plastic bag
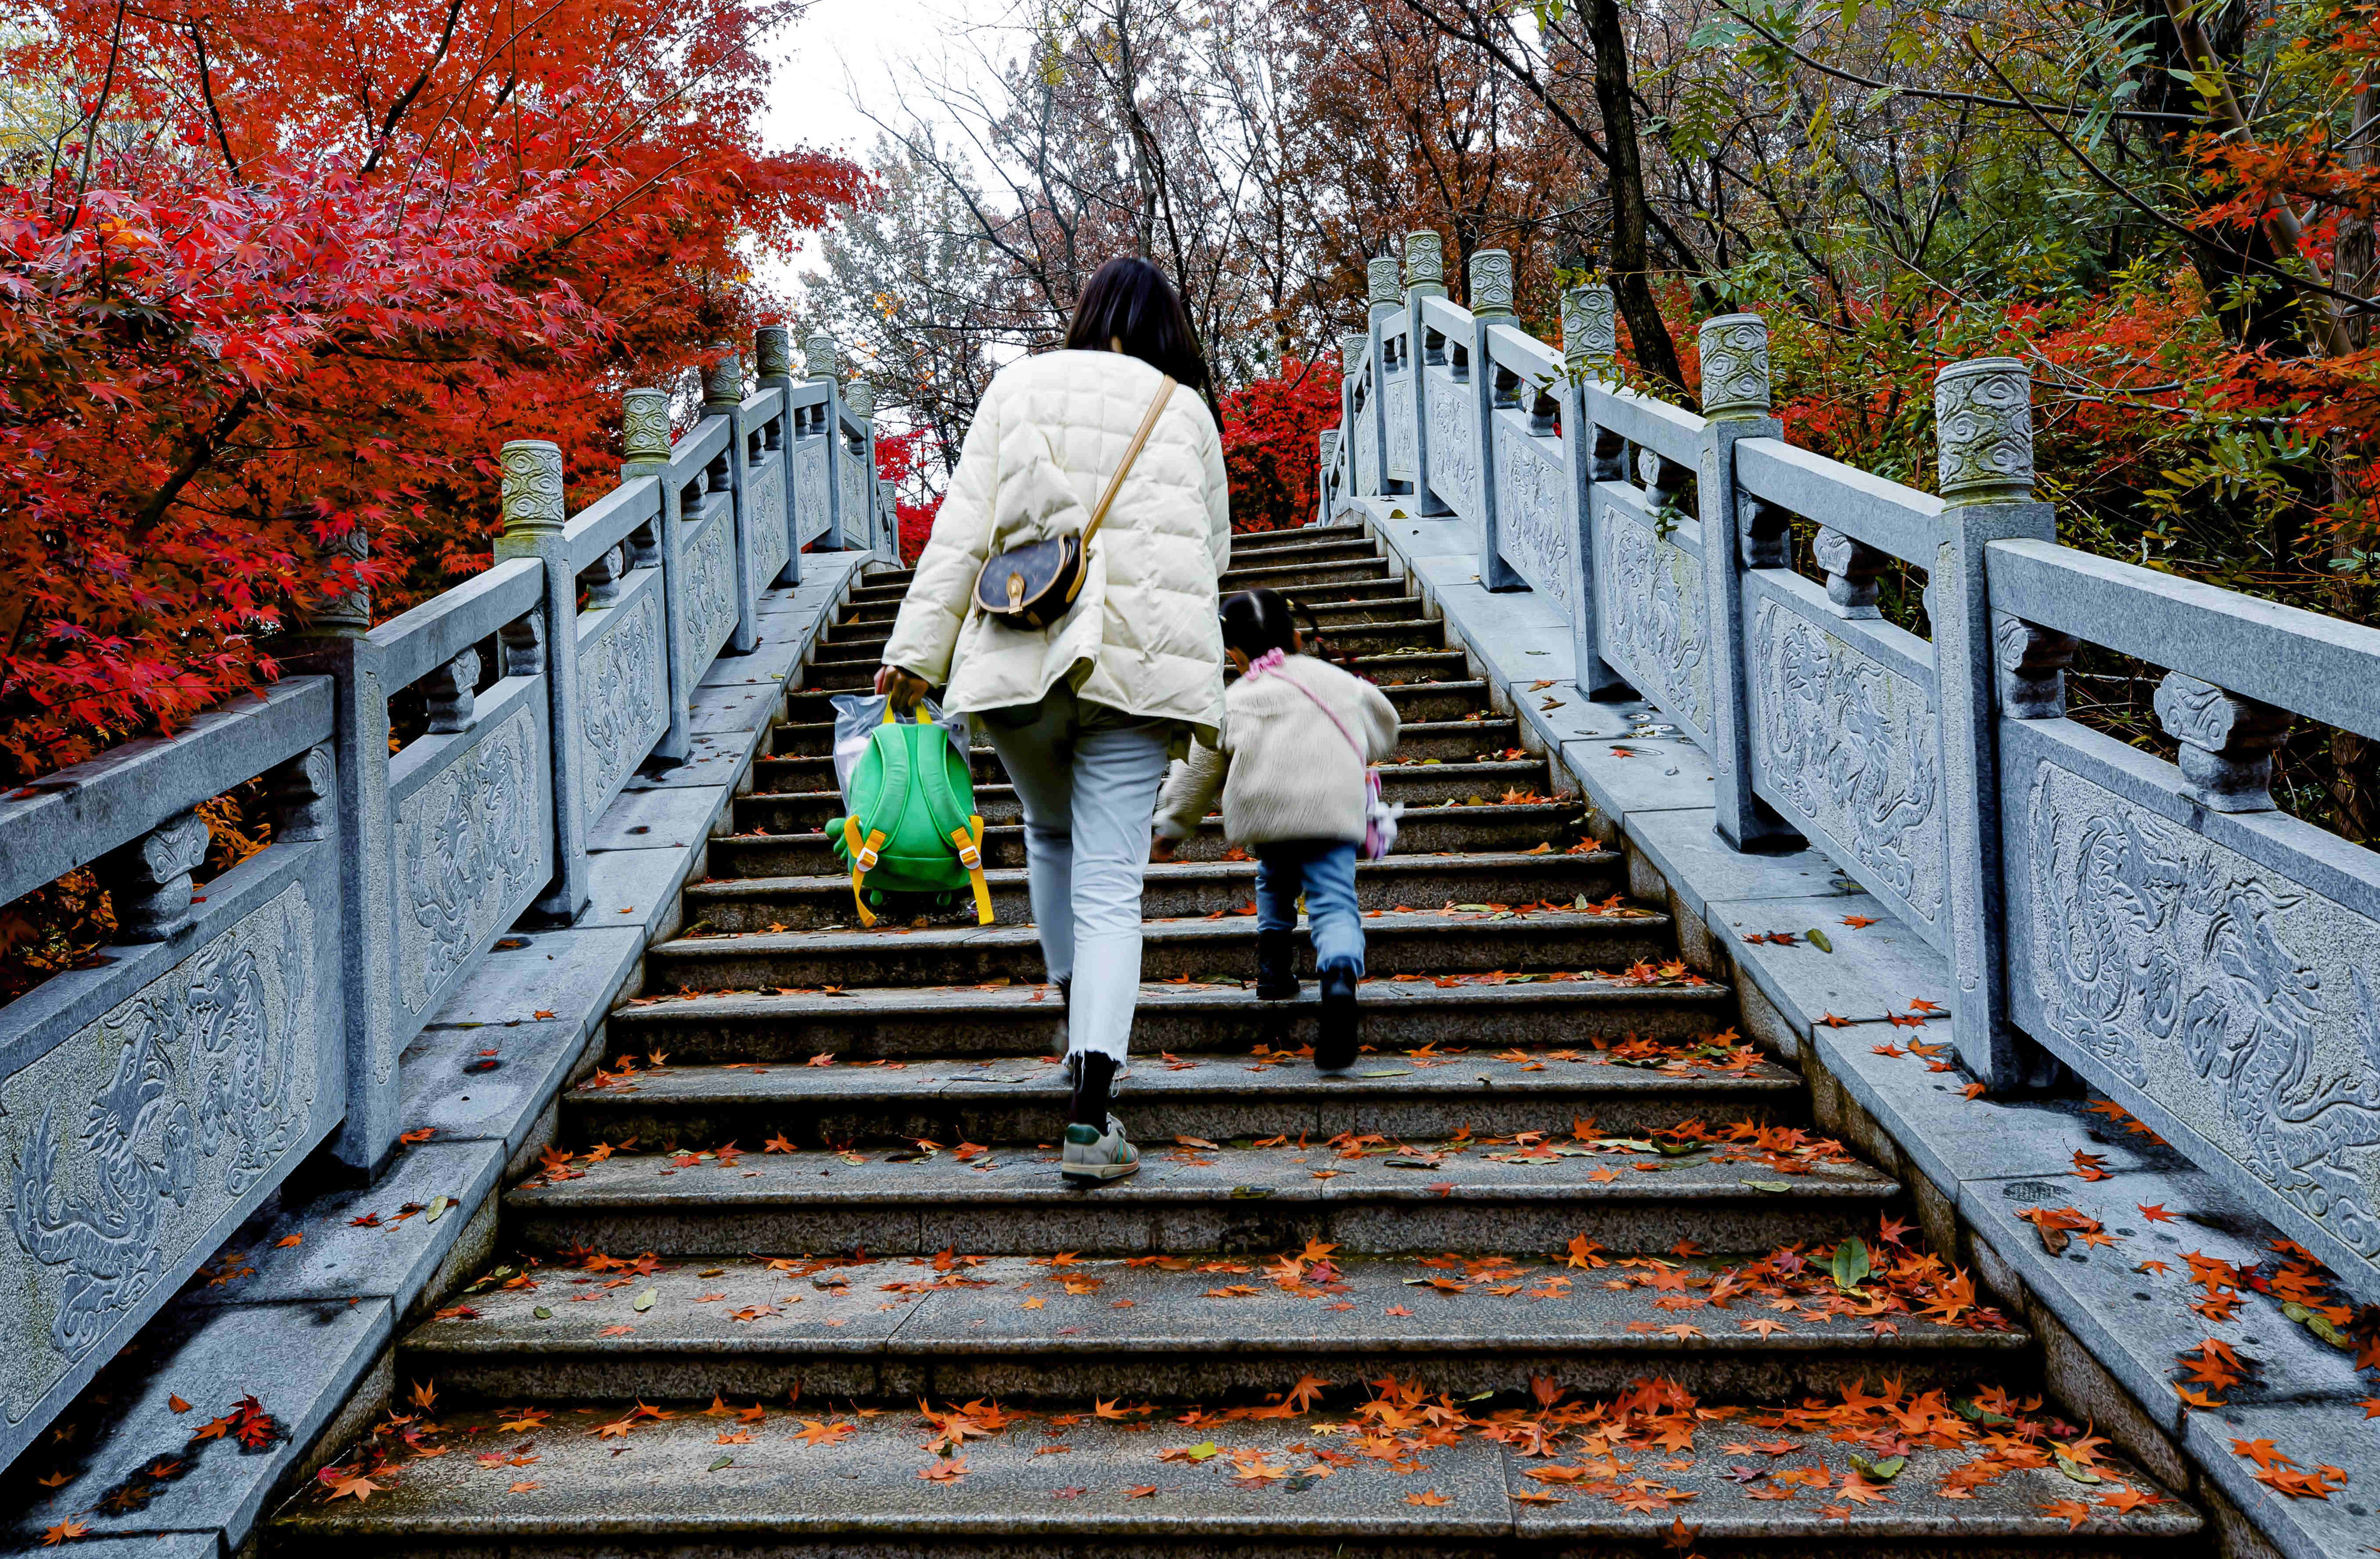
[856, 716]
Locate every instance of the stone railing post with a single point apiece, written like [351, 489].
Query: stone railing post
[818, 356]
[1490, 292]
[1352, 347]
[1327, 444]
[722, 395]
[1382, 305]
[773, 363]
[862, 398]
[338, 643]
[1425, 277]
[645, 443]
[1590, 356]
[888, 514]
[1735, 406]
[535, 512]
[1983, 413]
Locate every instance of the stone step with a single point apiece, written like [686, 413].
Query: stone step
[1177, 889]
[1395, 943]
[1025, 1019]
[670, 1487]
[1421, 832]
[1307, 554]
[1221, 1098]
[1292, 578]
[1296, 536]
[1411, 665]
[1352, 637]
[1350, 588]
[1125, 1331]
[1471, 736]
[1447, 700]
[792, 812]
[1182, 1202]
[889, 575]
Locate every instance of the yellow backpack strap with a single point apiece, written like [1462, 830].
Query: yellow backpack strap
[969, 842]
[863, 861]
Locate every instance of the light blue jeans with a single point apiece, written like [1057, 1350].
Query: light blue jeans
[1325, 870]
[1086, 777]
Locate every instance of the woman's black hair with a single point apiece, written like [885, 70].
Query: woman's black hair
[1255, 621]
[1130, 301]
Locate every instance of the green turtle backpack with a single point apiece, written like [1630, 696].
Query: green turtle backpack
[913, 826]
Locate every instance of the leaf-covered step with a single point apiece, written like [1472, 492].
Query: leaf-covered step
[1442, 700]
[1218, 1098]
[1184, 1200]
[1395, 943]
[957, 1326]
[1010, 1019]
[1495, 827]
[1473, 734]
[1175, 891]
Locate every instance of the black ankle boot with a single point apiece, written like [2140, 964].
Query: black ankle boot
[1334, 1042]
[1276, 967]
[1094, 1088]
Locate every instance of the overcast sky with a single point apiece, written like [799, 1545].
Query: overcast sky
[841, 45]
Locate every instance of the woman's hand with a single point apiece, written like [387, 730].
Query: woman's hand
[903, 688]
[1162, 849]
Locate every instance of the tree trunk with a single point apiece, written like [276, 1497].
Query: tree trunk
[1631, 255]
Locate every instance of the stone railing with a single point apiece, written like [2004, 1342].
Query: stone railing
[2208, 961]
[151, 1102]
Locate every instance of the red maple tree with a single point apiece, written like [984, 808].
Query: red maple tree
[276, 271]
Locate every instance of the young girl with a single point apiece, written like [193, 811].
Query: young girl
[1298, 735]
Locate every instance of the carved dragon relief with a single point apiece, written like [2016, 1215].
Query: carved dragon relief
[624, 707]
[706, 594]
[1656, 628]
[2239, 1000]
[1454, 448]
[1529, 528]
[197, 1085]
[468, 845]
[809, 488]
[1397, 404]
[764, 507]
[1853, 746]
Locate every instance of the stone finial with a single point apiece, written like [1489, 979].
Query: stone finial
[1426, 262]
[645, 422]
[1590, 323]
[1852, 567]
[148, 880]
[1735, 365]
[723, 381]
[772, 352]
[1352, 347]
[1982, 414]
[448, 693]
[1381, 283]
[2032, 662]
[860, 397]
[345, 615]
[818, 356]
[531, 485]
[1491, 283]
[2227, 743]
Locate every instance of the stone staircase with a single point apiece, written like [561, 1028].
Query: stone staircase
[1553, 1269]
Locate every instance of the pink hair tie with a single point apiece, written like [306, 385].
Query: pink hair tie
[1268, 661]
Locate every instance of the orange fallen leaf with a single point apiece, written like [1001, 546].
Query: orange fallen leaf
[358, 1488]
[1427, 1497]
[1140, 1491]
[67, 1528]
[287, 1240]
[175, 1404]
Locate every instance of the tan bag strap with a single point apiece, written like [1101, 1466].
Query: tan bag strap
[1131, 451]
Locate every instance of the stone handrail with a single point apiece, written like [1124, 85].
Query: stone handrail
[2210, 963]
[155, 1097]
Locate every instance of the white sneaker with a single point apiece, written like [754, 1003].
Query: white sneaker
[1093, 1156]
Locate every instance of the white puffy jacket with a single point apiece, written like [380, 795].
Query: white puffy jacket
[1142, 637]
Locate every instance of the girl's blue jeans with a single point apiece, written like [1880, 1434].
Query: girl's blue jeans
[1324, 870]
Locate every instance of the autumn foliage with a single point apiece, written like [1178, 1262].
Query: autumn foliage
[1270, 426]
[278, 270]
